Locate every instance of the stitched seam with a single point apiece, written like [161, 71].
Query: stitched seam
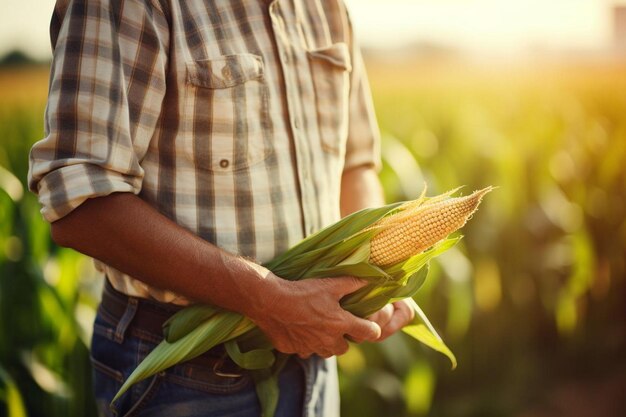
[146, 396]
[107, 370]
[208, 387]
[145, 335]
[103, 331]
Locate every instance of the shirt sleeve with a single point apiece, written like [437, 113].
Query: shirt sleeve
[106, 88]
[363, 144]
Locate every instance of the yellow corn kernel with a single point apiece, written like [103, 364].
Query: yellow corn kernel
[419, 227]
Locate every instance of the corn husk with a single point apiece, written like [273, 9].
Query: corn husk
[353, 246]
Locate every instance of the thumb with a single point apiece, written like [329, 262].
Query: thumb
[362, 329]
[347, 285]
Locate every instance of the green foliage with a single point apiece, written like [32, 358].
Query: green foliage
[538, 282]
[531, 299]
[11, 396]
[45, 307]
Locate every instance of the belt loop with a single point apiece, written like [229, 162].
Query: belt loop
[127, 317]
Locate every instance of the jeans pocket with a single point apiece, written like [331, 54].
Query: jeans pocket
[112, 364]
[106, 382]
[201, 375]
[190, 388]
[203, 378]
[193, 389]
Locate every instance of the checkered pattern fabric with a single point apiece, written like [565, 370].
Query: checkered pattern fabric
[233, 118]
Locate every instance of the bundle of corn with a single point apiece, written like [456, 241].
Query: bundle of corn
[389, 246]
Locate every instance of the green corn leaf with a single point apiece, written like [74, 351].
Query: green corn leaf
[266, 385]
[360, 255]
[254, 339]
[186, 320]
[362, 270]
[380, 296]
[412, 270]
[336, 232]
[307, 264]
[423, 331]
[368, 307]
[212, 332]
[325, 252]
[372, 298]
[380, 285]
[361, 301]
[416, 262]
[350, 247]
[253, 359]
[411, 285]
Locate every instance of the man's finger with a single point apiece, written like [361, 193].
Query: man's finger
[406, 306]
[402, 315]
[361, 329]
[382, 316]
[354, 339]
[395, 324]
[347, 285]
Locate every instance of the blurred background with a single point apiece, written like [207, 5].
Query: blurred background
[528, 95]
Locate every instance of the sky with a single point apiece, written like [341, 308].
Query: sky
[493, 26]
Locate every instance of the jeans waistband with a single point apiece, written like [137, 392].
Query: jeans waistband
[141, 317]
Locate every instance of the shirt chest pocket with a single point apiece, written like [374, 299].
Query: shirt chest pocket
[330, 72]
[225, 112]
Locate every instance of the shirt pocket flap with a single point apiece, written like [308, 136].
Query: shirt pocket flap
[225, 71]
[337, 54]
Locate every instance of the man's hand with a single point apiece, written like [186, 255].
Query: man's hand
[361, 188]
[305, 317]
[392, 317]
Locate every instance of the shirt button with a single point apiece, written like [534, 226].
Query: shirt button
[226, 73]
[285, 56]
[296, 123]
[311, 230]
[258, 65]
[224, 163]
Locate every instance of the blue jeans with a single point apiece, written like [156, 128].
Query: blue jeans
[307, 388]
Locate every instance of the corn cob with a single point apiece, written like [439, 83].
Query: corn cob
[420, 226]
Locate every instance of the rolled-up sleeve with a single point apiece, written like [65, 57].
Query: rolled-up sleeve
[106, 88]
[363, 144]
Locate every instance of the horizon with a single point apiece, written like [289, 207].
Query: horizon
[477, 27]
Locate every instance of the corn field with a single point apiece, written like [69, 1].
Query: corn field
[532, 301]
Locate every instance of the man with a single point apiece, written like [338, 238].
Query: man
[186, 143]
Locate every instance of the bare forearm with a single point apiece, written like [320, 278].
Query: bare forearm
[128, 234]
[301, 317]
[360, 188]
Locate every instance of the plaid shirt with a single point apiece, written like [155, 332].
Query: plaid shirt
[233, 118]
